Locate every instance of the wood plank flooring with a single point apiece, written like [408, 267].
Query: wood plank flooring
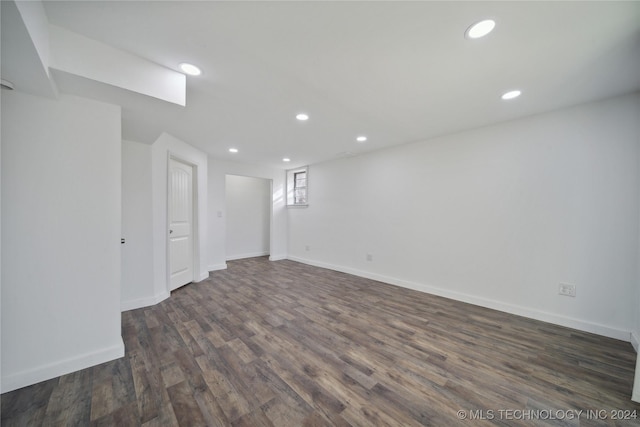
[285, 344]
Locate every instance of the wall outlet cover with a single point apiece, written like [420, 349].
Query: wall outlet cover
[567, 289]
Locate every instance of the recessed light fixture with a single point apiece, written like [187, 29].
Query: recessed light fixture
[511, 94]
[190, 69]
[286, 159]
[233, 150]
[361, 138]
[480, 29]
[302, 117]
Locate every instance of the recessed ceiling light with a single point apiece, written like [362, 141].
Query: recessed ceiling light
[361, 138]
[233, 150]
[302, 117]
[190, 69]
[480, 29]
[286, 159]
[511, 94]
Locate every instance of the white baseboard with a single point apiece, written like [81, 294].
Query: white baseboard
[247, 255]
[277, 257]
[579, 324]
[215, 267]
[155, 299]
[51, 370]
[635, 341]
[143, 302]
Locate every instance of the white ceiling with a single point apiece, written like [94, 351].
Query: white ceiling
[397, 72]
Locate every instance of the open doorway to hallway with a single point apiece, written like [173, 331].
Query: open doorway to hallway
[248, 204]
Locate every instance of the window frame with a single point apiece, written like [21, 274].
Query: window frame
[292, 186]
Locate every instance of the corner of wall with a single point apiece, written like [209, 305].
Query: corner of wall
[144, 302]
[215, 267]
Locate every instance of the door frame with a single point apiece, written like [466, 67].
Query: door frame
[195, 228]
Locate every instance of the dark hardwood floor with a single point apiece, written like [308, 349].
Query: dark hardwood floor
[285, 344]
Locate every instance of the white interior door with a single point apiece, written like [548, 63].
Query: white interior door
[180, 223]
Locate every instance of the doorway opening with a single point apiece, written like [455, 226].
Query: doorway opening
[248, 225]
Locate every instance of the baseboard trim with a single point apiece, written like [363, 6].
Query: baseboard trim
[277, 257]
[215, 267]
[579, 324]
[203, 276]
[52, 370]
[635, 341]
[248, 255]
[143, 302]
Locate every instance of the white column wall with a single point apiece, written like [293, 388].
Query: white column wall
[61, 206]
[137, 226]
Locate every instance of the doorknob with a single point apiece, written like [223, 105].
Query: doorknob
[170, 231]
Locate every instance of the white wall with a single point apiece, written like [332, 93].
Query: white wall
[137, 227]
[497, 216]
[248, 202]
[218, 169]
[165, 146]
[25, 47]
[60, 236]
[35, 19]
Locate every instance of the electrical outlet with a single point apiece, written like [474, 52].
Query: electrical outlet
[369, 257]
[307, 248]
[567, 289]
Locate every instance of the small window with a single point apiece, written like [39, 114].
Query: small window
[300, 188]
[297, 187]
